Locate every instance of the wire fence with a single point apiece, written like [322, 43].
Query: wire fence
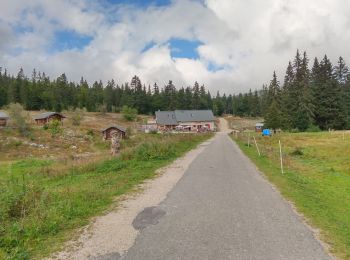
[270, 147]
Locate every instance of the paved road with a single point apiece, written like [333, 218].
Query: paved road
[223, 209]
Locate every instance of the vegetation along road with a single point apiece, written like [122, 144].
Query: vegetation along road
[224, 209]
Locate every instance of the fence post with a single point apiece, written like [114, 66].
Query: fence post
[279, 142]
[248, 139]
[257, 148]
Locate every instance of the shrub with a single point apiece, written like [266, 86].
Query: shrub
[313, 128]
[129, 113]
[55, 127]
[19, 118]
[77, 116]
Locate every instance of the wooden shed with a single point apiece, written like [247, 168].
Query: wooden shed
[3, 119]
[46, 117]
[114, 129]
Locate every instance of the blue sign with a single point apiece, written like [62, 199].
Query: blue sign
[266, 132]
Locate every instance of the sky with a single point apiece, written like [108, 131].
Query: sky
[229, 46]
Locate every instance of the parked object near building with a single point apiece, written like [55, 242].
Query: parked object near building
[3, 119]
[259, 127]
[113, 130]
[186, 120]
[46, 117]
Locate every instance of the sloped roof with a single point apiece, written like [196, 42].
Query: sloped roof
[166, 118]
[47, 114]
[174, 117]
[120, 128]
[194, 115]
[3, 115]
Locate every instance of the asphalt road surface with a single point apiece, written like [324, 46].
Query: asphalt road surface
[223, 209]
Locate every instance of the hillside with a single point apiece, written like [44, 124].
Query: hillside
[80, 141]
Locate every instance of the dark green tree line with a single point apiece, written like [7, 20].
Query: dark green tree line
[40, 92]
[316, 97]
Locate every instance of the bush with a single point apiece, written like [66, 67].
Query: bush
[55, 127]
[19, 118]
[313, 128]
[129, 113]
[77, 116]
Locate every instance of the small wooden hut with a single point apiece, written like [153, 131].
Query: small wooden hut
[3, 119]
[114, 129]
[46, 117]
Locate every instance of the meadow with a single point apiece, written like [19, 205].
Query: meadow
[47, 194]
[316, 178]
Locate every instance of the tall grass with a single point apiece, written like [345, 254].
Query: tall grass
[40, 208]
[316, 179]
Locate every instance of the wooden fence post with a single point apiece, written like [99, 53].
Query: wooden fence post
[256, 144]
[279, 142]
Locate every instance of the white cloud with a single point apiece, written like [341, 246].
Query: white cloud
[247, 40]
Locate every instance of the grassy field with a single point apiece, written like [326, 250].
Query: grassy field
[316, 178]
[47, 194]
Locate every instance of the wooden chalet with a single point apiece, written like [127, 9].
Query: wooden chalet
[46, 117]
[3, 119]
[114, 129]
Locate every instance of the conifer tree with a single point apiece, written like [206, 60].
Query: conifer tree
[273, 117]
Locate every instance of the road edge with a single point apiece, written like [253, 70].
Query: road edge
[316, 232]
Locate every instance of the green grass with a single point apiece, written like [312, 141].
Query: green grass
[316, 179]
[40, 209]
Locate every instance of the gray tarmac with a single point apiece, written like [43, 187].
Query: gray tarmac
[223, 208]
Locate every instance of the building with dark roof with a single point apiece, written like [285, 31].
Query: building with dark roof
[3, 119]
[190, 120]
[108, 132]
[46, 117]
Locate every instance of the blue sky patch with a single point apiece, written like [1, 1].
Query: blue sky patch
[21, 29]
[148, 46]
[141, 3]
[214, 67]
[181, 48]
[67, 39]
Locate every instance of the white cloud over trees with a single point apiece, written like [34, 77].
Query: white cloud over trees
[244, 40]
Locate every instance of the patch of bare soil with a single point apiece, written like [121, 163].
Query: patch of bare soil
[223, 125]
